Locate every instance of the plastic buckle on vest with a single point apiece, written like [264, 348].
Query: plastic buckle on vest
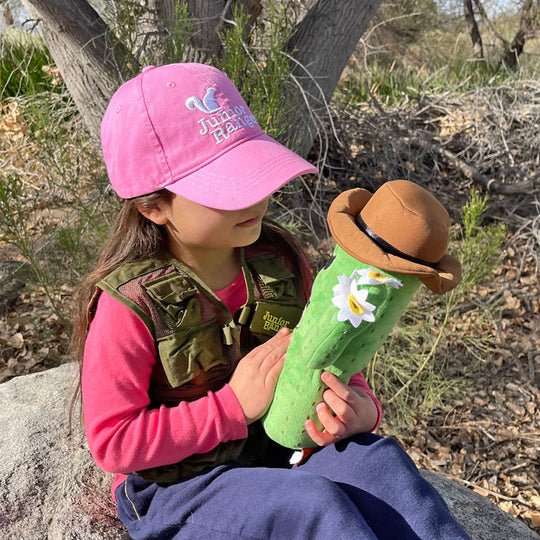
[231, 333]
[244, 315]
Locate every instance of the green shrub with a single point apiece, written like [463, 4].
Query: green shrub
[22, 59]
[257, 65]
[53, 196]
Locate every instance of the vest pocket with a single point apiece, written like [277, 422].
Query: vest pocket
[274, 278]
[269, 317]
[187, 353]
[176, 298]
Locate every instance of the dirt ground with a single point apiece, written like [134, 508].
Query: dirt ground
[487, 434]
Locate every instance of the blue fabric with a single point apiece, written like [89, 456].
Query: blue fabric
[365, 487]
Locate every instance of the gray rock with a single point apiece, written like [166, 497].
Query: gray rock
[49, 486]
[482, 519]
[51, 489]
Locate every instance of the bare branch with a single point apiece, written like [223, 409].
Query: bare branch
[476, 38]
[488, 24]
[490, 184]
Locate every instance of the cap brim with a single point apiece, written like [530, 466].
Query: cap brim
[243, 176]
[342, 223]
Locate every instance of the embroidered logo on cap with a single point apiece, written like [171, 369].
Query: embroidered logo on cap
[223, 121]
[207, 105]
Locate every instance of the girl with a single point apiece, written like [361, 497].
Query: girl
[178, 363]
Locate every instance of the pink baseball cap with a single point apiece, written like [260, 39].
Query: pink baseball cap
[186, 128]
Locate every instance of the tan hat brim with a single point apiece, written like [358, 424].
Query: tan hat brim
[342, 222]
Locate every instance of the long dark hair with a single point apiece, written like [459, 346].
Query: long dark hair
[135, 238]
[132, 238]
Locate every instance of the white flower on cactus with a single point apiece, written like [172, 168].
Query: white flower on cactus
[351, 302]
[372, 276]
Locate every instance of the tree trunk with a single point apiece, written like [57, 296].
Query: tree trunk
[208, 18]
[499, 40]
[527, 25]
[6, 13]
[92, 62]
[79, 41]
[321, 46]
[477, 47]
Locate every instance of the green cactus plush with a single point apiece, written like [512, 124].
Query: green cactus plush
[359, 296]
[340, 339]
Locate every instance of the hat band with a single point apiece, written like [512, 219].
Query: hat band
[389, 248]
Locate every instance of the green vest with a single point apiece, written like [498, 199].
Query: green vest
[199, 341]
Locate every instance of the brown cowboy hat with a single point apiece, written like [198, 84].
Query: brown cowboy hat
[400, 228]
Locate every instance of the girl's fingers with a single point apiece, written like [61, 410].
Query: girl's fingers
[342, 409]
[332, 430]
[332, 424]
[340, 388]
[276, 344]
[281, 339]
[276, 354]
[274, 371]
[318, 437]
[254, 379]
[339, 397]
[345, 411]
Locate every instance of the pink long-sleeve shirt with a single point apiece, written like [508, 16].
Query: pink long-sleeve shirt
[123, 434]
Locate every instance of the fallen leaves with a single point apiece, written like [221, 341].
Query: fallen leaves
[487, 438]
[12, 126]
[31, 338]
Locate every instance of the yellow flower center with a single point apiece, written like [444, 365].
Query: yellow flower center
[355, 306]
[376, 275]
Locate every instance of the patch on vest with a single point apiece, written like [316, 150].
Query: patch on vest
[269, 318]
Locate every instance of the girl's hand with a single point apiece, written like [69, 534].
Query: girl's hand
[354, 411]
[256, 375]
